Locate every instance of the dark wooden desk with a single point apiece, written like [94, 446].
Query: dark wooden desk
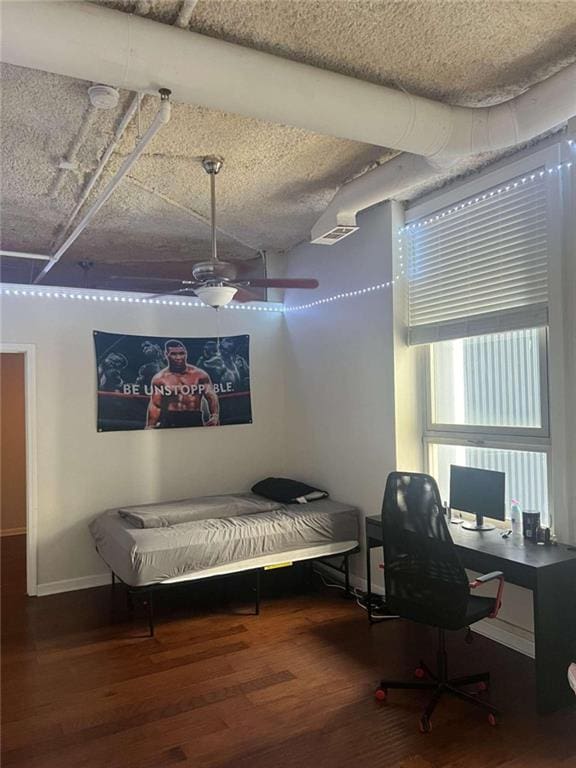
[550, 572]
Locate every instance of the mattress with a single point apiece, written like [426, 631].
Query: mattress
[202, 547]
[200, 508]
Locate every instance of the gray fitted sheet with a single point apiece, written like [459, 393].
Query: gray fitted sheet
[200, 508]
[143, 556]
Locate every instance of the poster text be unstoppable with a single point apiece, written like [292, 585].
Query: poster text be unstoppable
[183, 389]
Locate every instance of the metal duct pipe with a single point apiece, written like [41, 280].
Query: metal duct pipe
[95, 43]
[161, 118]
[389, 181]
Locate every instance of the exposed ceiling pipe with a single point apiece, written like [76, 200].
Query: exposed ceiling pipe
[389, 181]
[186, 11]
[68, 163]
[161, 118]
[128, 115]
[24, 255]
[140, 54]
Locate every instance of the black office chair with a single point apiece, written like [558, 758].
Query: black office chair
[425, 582]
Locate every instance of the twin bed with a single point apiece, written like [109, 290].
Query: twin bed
[158, 545]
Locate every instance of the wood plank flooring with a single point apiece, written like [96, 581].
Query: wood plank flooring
[83, 687]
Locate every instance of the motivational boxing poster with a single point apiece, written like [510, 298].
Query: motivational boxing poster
[156, 382]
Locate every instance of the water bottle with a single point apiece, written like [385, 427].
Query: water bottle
[516, 518]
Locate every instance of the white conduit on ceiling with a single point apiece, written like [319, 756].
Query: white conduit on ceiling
[129, 114]
[194, 214]
[161, 118]
[69, 162]
[186, 11]
[140, 54]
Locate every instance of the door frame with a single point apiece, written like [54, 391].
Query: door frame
[29, 352]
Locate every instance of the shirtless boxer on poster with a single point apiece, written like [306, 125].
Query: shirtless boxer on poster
[178, 392]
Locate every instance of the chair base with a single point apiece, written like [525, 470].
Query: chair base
[441, 684]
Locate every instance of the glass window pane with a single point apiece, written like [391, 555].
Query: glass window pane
[526, 472]
[489, 381]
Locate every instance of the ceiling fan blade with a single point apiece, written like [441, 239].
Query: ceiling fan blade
[169, 293]
[287, 282]
[151, 279]
[242, 295]
[245, 267]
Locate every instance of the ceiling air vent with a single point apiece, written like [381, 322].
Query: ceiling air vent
[334, 235]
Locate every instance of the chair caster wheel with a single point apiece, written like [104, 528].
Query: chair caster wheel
[419, 673]
[381, 694]
[425, 725]
[492, 719]
[481, 687]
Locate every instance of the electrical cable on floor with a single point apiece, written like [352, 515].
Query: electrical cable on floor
[375, 613]
[360, 596]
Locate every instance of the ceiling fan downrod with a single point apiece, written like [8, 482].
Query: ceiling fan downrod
[212, 165]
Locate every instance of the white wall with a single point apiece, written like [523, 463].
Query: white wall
[340, 368]
[82, 472]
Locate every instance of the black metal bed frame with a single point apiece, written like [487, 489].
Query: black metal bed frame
[145, 594]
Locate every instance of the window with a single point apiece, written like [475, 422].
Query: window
[488, 409]
[478, 277]
[482, 265]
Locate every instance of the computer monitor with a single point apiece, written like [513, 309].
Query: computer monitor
[479, 491]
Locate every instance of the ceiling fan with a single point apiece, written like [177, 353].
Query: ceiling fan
[217, 282]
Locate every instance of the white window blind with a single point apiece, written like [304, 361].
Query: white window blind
[481, 266]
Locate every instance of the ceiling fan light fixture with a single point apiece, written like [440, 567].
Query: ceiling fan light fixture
[216, 295]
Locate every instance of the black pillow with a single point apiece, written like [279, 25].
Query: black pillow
[287, 491]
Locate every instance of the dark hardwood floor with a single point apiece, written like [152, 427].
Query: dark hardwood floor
[82, 687]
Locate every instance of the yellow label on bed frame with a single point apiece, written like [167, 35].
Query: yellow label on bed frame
[277, 565]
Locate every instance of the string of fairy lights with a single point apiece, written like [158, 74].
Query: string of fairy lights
[405, 231]
[523, 180]
[115, 298]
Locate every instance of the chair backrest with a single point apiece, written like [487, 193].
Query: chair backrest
[423, 575]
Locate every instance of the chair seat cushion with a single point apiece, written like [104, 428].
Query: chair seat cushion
[478, 608]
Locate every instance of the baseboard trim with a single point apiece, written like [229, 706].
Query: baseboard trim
[72, 585]
[510, 635]
[355, 581]
[361, 583]
[12, 532]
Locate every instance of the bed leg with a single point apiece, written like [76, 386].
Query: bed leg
[310, 574]
[150, 612]
[257, 593]
[113, 582]
[347, 575]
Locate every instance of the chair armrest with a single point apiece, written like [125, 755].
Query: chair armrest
[484, 580]
[487, 577]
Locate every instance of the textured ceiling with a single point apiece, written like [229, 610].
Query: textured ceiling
[276, 180]
[460, 51]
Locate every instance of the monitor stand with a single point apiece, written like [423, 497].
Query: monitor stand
[478, 525]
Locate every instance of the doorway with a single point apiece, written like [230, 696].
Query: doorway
[18, 469]
[13, 522]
